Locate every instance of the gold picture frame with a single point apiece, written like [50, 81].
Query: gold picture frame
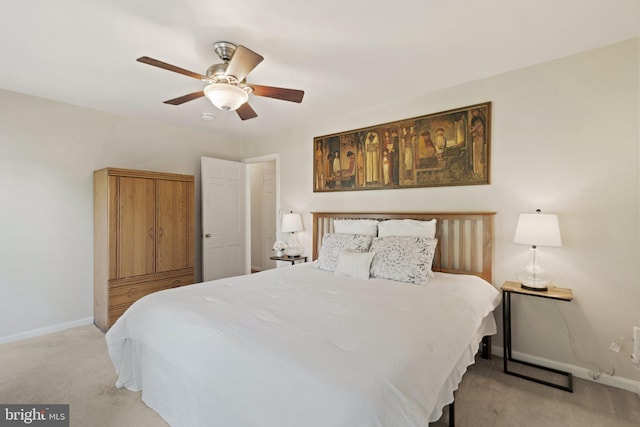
[441, 149]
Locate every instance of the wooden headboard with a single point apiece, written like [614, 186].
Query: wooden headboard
[464, 238]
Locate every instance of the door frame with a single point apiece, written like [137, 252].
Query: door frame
[248, 211]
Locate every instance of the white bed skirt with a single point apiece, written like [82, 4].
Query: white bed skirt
[299, 346]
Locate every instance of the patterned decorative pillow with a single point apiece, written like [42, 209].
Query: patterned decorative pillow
[403, 258]
[334, 243]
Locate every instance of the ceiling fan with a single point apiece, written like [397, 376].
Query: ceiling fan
[227, 88]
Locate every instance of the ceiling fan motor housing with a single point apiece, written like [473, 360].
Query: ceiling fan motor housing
[225, 50]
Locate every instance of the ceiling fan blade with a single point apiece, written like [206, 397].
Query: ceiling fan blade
[165, 66]
[243, 61]
[246, 112]
[292, 95]
[185, 98]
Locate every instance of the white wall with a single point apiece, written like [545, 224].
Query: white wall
[565, 137]
[48, 152]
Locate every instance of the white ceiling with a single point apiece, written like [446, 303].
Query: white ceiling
[345, 54]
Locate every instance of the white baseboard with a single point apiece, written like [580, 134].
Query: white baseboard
[46, 330]
[577, 371]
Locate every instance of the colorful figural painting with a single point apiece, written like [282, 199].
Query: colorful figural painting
[441, 149]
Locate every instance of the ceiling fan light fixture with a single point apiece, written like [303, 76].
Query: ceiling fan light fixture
[225, 96]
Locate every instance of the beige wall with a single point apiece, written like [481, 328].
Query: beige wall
[565, 139]
[48, 152]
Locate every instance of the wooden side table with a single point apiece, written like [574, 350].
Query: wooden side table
[560, 294]
[291, 259]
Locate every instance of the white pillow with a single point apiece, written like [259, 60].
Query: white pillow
[403, 258]
[334, 243]
[354, 264]
[407, 227]
[367, 227]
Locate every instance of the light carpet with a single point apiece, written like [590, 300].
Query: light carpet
[73, 367]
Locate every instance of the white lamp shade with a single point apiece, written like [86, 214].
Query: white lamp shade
[225, 96]
[291, 223]
[538, 230]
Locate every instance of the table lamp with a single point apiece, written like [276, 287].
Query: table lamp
[292, 223]
[536, 229]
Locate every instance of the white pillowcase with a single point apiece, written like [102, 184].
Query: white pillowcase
[354, 264]
[366, 227]
[407, 227]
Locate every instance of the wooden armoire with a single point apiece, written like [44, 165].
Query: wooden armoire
[143, 237]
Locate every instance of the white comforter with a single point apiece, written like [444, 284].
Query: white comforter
[301, 347]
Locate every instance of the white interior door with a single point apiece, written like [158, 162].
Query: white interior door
[269, 221]
[223, 219]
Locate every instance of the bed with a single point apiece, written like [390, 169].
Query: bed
[307, 346]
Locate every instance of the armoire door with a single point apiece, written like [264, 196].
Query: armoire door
[136, 231]
[174, 214]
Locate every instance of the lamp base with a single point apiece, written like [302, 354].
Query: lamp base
[293, 248]
[534, 282]
[534, 277]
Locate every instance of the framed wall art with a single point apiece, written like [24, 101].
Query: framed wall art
[442, 149]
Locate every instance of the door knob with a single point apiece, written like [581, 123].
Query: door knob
[207, 235]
